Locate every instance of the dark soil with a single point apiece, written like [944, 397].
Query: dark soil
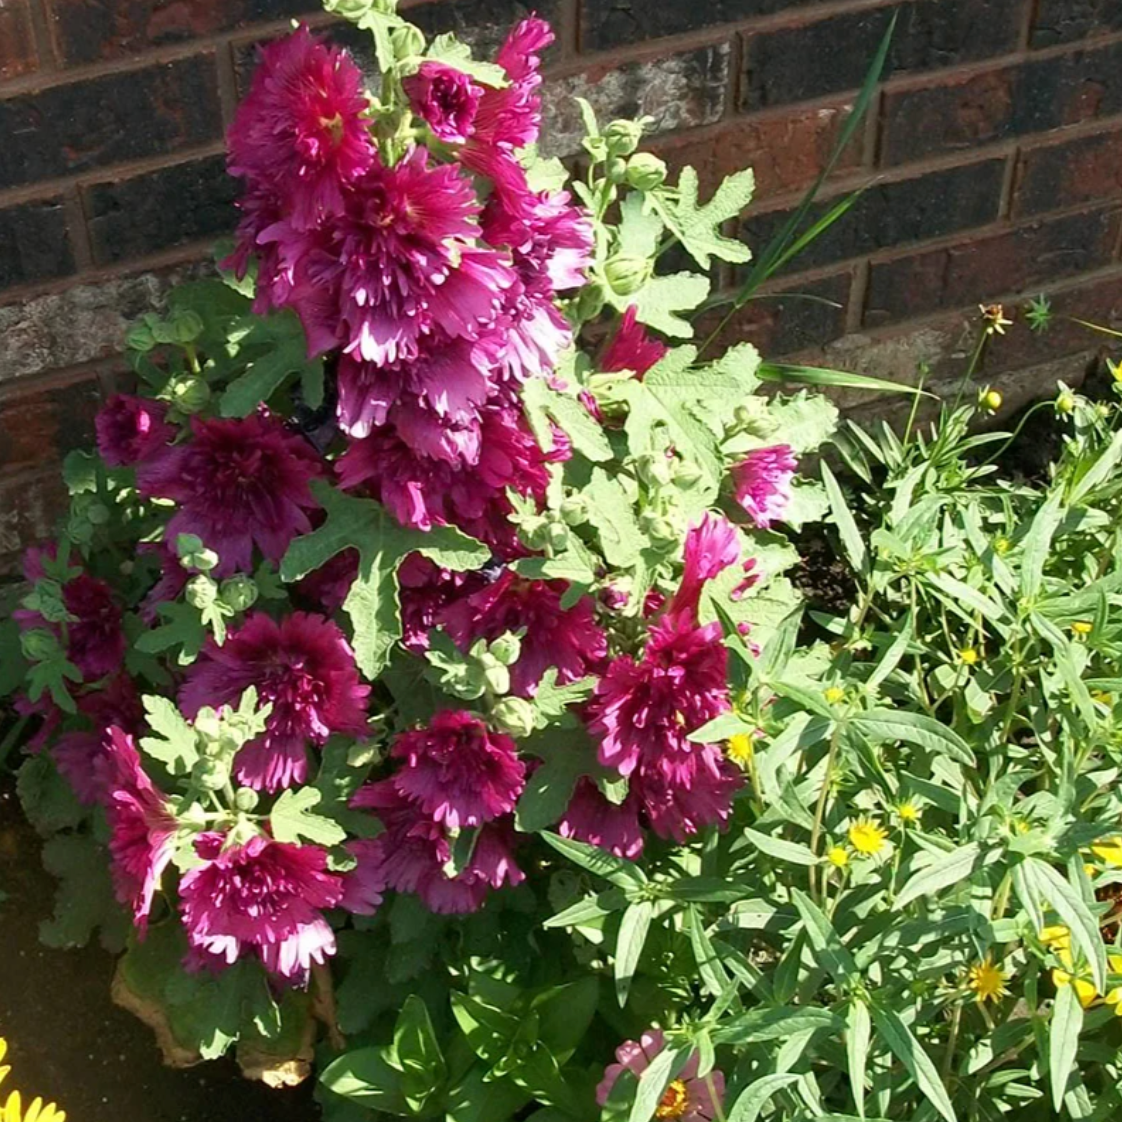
[67, 1041]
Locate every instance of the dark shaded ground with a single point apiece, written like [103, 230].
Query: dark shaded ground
[68, 1042]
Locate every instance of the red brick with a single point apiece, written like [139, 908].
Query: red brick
[34, 245]
[29, 508]
[18, 54]
[40, 424]
[1019, 260]
[1008, 101]
[786, 152]
[1065, 21]
[1058, 175]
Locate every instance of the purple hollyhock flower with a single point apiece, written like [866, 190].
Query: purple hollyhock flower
[131, 429]
[142, 829]
[263, 896]
[446, 99]
[687, 1099]
[568, 639]
[592, 818]
[237, 483]
[458, 771]
[426, 590]
[300, 133]
[172, 580]
[712, 545]
[632, 348]
[416, 851]
[762, 482]
[304, 667]
[364, 884]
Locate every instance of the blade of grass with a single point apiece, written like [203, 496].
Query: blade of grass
[839, 379]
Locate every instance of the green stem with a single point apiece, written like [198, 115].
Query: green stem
[820, 809]
[12, 739]
[717, 1104]
[974, 361]
[952, 1043]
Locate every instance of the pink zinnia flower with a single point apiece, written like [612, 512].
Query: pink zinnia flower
[305, 668]
[416, 851]
[762, 482]
[131, 429]
[687, 1099]
[142, 830]
[632, 348]
[265, 897]
[445, 99]
[238, 484]
[568, 639]
[592, 818]
[300, 131]
[459, 771]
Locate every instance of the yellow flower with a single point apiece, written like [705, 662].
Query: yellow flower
[987, 980]
[968, 656]
[1084, 987]
[1082, 627]
[1056, 937]
[993, 315]
[834, 694]
[992, 400]
[837, 856]
[1002, 545]
[740, 749]
[3, 1068]
[867, 837]
[37, 1111]
[909, 811]
[1102, 697]
[1114, 996]
[1109, 851]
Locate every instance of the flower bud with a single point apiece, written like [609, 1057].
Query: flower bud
[662, 532]
[992, 400]
[97, 514]
[246, 799]
[190, 394]
[496, 676]
[616, 170]
[193, 817]
[39, 645]
[408, 42]
[1065, 404]
[623, 137]
[140, 338]
[201, 592]
[193, 554]
[557, 537]
[646, 172]
[507, 649]
[239, 593]
[211, 774]
[654, 470]
[687, 474]
[514, 716]
[574, 510]
[627, 275]
[186, 327]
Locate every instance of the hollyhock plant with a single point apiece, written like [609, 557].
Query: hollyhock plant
[259, 897]
[762, 483]
[446, 99]
[237, 485]
[632, 347]
[592, 818]
[131, 429]
[304, 668]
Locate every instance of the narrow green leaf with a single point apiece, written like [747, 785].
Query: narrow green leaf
[1038, 543]
[654, 1081]
[755, 1096]
[633, 930]
[824, 939]
[947, 869]
[1063, 1040]
[913, 728]
[624, 874]
[858, 1031]
[708, 963]
[793, 853]
[910, 1053]
[1068, 903]
[852, 541]
[836, 379]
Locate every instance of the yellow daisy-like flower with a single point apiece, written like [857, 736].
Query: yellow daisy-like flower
[993, 316]
[741, 749]
[1002, 545]
[1102, 697]
[834, 694]
[909, 811]
[4, 1069]
[1056, 937]
[867, 836]
[1084, 987]
[837, 856]
[987, 980]
[1082, 627]
[1114, 996]
[968, 656]
[36, 1111]
[1109, 851]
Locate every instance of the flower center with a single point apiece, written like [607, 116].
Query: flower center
[674, 1102]
[334, 125]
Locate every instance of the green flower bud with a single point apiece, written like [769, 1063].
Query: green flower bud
[408, 42]
[507, 649]
[194, 555]
[654, 470]
[211, 774]
[574, 510]
[662, 532]
[514, 716]
[207, 727]
[39, 645]
[557, 537]
[201, 592]
[162, 330]
[193, 818]
[190, 395]
[246, 799]
[97, 514]
[627, 275]
[497, 677]
[646, 172]
[622, 137]
[1065, 404]
[186, 327]
[991, 400]
[687, 474]
[616, 170]
[239, 593]
[535, 532]
[140, 338]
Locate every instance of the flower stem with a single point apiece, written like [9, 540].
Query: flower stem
[820, 809]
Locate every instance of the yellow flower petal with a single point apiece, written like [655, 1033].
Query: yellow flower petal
[1109, 851]
[867, 836]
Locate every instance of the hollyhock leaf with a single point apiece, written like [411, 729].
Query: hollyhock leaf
[574, 565]
[382, 545]
[293, 818]
[13, 666]
[808, 503]
[175, 745]
[450, 51]
[79, 472]
[806, 421]
[184, 629]
[84, 901]
[567, 754]
[551, 700]
[698, 228]
[639, 228]
[46, 797]
[287, 355]
[659, 302]
[543, 404]
[613, 514]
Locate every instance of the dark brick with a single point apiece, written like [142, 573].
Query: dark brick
[1065, 21]
[102, 121]
[895, 213]
[615, 23]
[38, 426]
[17, 40]
[833, 54]
[1060, 175]
[1036, 96]
[88, 30]
[786, 152]
[164, 208]
[29, 509]
[1019, 260]
[33, 243]
[781, 323]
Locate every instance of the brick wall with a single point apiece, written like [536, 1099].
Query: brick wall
[993, 162]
